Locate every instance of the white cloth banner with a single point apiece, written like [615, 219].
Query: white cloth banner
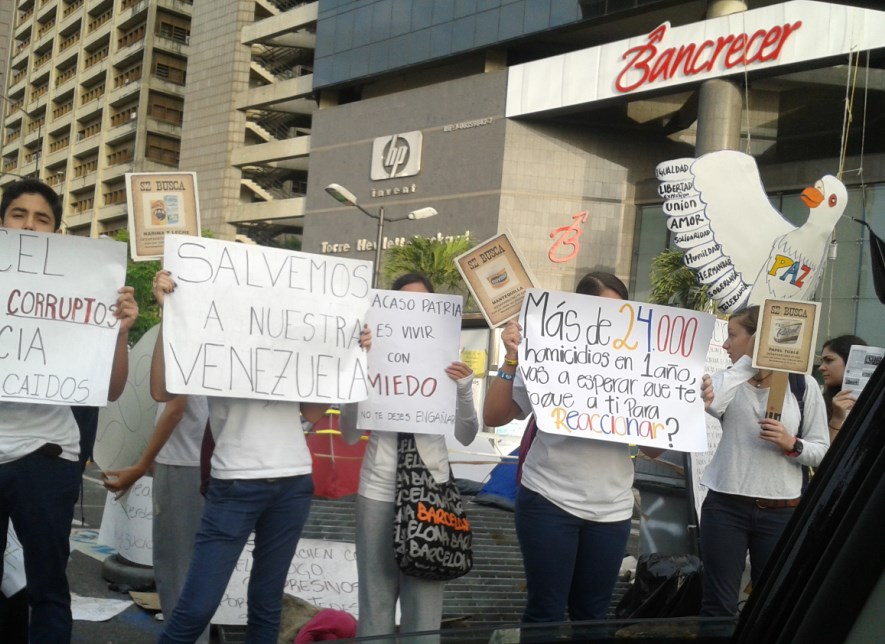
[127, 524]
[57, 326]
[13, 565]
[126, 425]
[255, 322]
[322, 573]
[415, 336]
[621, 371]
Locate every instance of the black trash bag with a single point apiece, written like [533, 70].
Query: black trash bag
[665, 586]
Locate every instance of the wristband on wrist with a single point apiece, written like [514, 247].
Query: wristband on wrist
[511, 362]
[505, 376]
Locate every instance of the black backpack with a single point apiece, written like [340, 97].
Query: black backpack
[798, 387]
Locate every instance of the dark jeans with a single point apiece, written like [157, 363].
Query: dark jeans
[276, 509]
[730, 526]
[568, 561]
[38, 492]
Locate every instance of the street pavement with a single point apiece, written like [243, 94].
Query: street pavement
[134, 625]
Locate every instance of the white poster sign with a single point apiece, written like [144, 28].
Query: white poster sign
[615, 370]
[862, 363]
[127, 524]
[322, 573]
[415, 336]
[717, 360]
[57, 326]
[126, 425]
[255, 322]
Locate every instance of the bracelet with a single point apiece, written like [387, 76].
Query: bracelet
[511, 362]
[505, 376]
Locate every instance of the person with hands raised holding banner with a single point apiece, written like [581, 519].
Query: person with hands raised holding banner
[261, 482]
[755, 476]
[381, 582]
[575, 499]
[40, 443]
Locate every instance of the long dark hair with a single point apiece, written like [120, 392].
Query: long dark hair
[412, 278]
[596, 282]
[841, 346]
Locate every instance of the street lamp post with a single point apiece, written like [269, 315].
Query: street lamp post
[343, 195]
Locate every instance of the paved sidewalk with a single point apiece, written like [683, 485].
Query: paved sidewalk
[134, 625]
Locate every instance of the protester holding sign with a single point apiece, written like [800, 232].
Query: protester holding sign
[833, 358]
[260, 481]
[381, 582]
[755, 476]
[174, 453]
[39, 443]
[574, 503]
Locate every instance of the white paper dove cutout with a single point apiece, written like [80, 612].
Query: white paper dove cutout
[739, 245]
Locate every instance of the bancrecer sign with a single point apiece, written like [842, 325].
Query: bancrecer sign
[650, 62]
[769, 37]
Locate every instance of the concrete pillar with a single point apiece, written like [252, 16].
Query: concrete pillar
[719, 101]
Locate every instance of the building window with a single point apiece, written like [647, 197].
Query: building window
[163, 149]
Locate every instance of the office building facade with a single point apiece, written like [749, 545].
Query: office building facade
[547, 120]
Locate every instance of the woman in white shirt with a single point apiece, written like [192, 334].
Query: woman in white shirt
[380, 581]
[575, 499]
[755, 476]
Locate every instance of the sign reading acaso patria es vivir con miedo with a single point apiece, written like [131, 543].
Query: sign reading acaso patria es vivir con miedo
[784, 34]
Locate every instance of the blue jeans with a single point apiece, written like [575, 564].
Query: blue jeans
[276, 509]
[568, 561]
[730, 526]
[38, 493]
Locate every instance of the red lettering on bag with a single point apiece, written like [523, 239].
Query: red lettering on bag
[440, 516]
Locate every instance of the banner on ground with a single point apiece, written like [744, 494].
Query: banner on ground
[255, 322]
[58, 332]
[615, 370]
[322, 573]
[415, 336]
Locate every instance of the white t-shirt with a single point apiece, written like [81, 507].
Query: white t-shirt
[746, 465]
[591, 479]
[257, 439]
[25, 427]
[183, 446]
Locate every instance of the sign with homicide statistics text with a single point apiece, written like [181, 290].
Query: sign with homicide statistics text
[58, 332]
[615, 370]
[255, 322]
[415, 336]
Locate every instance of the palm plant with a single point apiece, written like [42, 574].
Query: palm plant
[434, 258]
[674, 284]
